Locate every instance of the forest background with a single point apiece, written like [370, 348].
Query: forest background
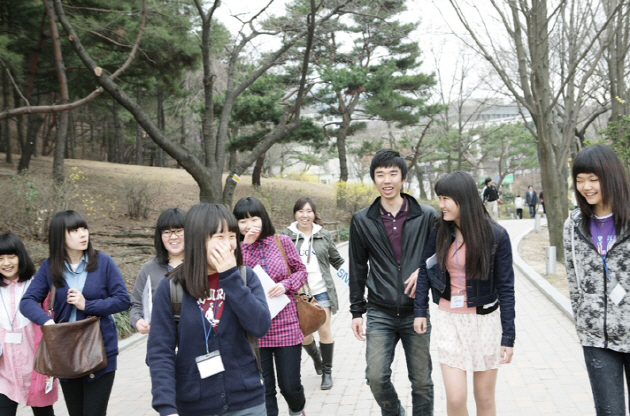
[166, 83]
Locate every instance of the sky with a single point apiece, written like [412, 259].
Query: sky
[439, 46]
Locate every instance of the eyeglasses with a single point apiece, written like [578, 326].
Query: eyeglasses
[178, 232]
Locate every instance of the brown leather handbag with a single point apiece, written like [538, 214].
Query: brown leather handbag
[310, 314]
[70, 349]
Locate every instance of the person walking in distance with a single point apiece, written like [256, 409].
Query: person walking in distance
[518, 205]
[531, 200]
[490, 197]
[391, 236]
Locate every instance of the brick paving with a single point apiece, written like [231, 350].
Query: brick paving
[547, 375]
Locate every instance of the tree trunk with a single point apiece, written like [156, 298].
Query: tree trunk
[118, 141]
[19, 120]
[257, 170]
[5, 138]
[139, 149]
[161, 125]
[34, 124]
[62, 122]
[343, 161]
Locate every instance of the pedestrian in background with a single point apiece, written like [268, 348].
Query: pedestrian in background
[468, 266]
[531, 200]
[542, 202]
[518, 205]
[317, 251]
[204, 364]
[597, 253]
[88, 284]
[19, 383]
[168, 240]
[283, 343]
[490, 196]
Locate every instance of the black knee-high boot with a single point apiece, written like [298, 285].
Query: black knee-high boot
[313, 351]
[327, 360]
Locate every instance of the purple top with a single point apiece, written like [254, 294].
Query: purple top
[394, 225]
[603, 230]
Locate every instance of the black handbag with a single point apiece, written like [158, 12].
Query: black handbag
[70, 349]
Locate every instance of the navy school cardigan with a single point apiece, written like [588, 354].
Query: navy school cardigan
[105, 294]
[176, 385]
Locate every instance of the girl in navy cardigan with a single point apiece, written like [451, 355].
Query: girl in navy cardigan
[88, 284]
[204, 365]
[468, 265]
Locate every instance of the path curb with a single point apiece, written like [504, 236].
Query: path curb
[540, 282]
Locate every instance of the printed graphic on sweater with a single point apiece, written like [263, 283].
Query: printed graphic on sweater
[212, 306]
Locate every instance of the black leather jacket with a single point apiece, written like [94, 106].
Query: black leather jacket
[384, 277]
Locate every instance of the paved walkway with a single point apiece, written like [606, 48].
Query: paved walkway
[547, 375]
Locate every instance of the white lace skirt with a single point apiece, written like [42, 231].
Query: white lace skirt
[469, 341]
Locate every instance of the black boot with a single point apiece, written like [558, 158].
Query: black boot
[327, 360]
[313, 351]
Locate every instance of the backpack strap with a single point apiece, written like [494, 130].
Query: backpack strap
[176, 299]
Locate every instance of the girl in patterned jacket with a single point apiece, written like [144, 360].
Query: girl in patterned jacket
[597, 252]
[283, 342]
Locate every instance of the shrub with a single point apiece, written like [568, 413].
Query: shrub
[140, 195]
[356, 195]
[121, 319]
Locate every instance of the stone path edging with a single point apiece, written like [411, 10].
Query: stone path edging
[558, 299]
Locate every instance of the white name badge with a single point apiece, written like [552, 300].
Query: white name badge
[457, 302]
[617, 294]
[49, 384]
[13, 338]
[209, 364]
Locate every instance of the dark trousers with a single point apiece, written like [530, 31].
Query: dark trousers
[9, 408]
[605, 371]
[519, 213]
[383, 333]
[85, 398]
[288, 361]
[532, 211]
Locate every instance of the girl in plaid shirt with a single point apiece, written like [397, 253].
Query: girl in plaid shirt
[284, 339]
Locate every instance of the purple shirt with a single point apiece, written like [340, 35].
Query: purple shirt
[603, 233]
[394, 225]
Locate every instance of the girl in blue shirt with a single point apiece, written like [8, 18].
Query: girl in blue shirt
[87, 283]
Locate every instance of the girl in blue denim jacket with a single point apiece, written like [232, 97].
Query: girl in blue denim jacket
[468, 266]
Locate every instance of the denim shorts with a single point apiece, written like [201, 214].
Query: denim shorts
[323, 299]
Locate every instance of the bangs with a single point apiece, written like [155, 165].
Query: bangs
[249, 207]
[74, 220]
[232, 225]
[8, 245]
[588, 162]
[171, 219]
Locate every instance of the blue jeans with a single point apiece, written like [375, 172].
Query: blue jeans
[288, 362]
[383, 332]
[532, 211]
[605, 371]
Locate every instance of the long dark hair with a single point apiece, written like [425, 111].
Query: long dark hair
[202, 221]
[474, 223]
[252, 207]
[601, 161]
[299, 204]
[61, 222]
[172, 218]
[11, 244]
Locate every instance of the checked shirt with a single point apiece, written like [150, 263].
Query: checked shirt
[285, 327]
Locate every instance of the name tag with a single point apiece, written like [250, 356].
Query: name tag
[457, 302]
[13, 338]
[49, 384]
[209, 364]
